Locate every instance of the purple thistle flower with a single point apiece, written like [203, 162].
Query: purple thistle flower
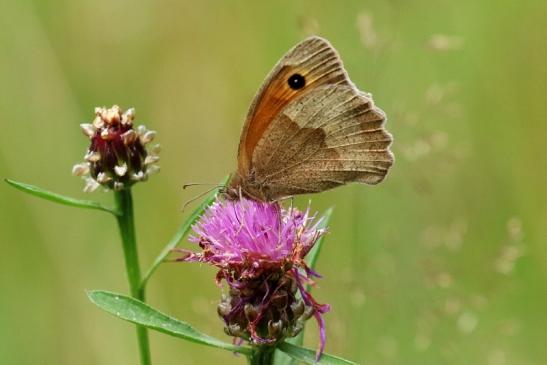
[259, 249]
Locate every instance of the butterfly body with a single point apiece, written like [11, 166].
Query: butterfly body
[310, 129]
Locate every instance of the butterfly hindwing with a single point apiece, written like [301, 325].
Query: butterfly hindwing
[327, 138]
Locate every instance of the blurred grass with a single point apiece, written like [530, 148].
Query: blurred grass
[446, 262]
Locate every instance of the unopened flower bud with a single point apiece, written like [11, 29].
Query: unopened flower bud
[120, 170]
[90, 185]
[156, 149]
[234, 330]
[80, 169]
[88, 129]
[152, 169]
[297, 308]
[150, 159]
[128, 116]
[251, 312]
[296, 329]
[308, 312]
[275, 328]
[129, 137]
[224, 308]
[148, 137]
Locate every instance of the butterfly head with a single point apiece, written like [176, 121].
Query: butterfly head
[247, 187]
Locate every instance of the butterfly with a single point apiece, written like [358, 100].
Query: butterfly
[309, 129]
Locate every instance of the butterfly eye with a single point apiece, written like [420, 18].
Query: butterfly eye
[296, 81]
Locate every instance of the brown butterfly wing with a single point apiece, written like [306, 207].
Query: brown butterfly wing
[328, 138]
[321, 136]
[313, 58]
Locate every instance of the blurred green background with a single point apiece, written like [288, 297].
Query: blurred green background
[443, 263]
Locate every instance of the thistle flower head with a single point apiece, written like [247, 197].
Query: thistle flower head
[117, 157]
[259, 249]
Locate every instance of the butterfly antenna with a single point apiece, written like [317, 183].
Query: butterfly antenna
[199, 196]
[185, 186]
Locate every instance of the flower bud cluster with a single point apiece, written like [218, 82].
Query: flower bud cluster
[266, 309]
[117, 156]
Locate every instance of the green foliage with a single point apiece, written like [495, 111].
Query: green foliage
[308, 356]
[58, 198]
[137, 312]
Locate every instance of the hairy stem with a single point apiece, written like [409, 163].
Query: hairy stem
[126, 223]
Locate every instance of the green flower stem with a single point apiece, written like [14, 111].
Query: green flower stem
[262, 355]
[126, 223]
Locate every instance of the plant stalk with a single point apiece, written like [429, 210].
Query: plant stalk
[262, 355]
[126, 223]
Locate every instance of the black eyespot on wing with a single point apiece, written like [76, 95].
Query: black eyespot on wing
[296, 81]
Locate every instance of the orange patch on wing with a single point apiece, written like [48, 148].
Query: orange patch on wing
[274, 98]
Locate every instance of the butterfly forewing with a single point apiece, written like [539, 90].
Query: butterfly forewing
[316, 61]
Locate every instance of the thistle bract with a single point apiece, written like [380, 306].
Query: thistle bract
[259, 249]
[117, 157]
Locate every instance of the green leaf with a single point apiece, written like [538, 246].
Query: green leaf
[311, 260]
[58, 198]
[281, 358]
[137, 312]
[308, 356]
[182, 231]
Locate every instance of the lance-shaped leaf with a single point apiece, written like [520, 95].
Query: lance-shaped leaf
[308, 356]
[137, 312]
[58, 198]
